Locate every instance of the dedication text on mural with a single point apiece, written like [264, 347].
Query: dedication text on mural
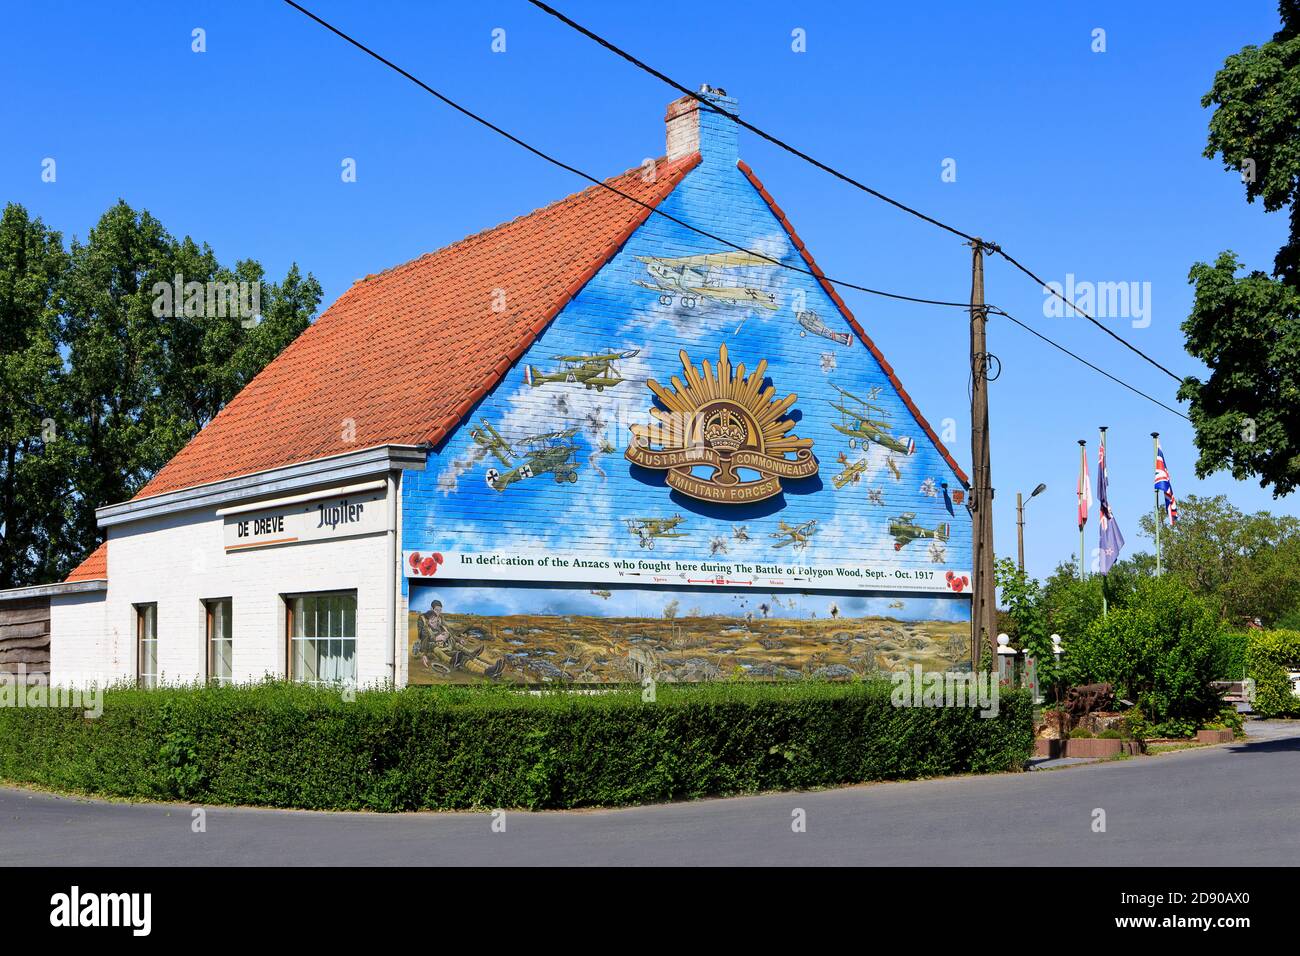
[551, 567]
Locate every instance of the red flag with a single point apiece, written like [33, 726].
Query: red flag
[1084, 489]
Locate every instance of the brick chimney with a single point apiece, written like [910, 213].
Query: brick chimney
[695, 128]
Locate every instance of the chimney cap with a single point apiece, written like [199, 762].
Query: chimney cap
[715, 90]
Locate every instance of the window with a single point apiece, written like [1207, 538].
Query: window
[220, 645]
[146, 645]
[323, 638]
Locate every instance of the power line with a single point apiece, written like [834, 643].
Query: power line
[578, 172]
[992, 247]
[601, 183]
[1078, 358]
[1118, 338]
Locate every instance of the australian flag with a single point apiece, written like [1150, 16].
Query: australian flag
[1163, 484]
[1110, 542]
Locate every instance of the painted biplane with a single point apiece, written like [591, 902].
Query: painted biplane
[648, 529]
[852, 473]
[490, 441]
[865, 423]
[812, 322]
[797, 535]
[692, 278]
[595, 370]
[905, 530]
[560, 461]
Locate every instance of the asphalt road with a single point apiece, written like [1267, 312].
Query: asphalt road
[1231, 804]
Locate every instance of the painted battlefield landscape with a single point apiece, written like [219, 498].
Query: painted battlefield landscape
[574, 649]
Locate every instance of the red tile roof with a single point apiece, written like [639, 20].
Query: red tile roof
[94, 568]
[862, 334]
[403, 355]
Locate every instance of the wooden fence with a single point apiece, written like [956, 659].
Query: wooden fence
[25, 636]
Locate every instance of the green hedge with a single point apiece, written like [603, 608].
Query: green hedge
[283, 745]
[1269, 655]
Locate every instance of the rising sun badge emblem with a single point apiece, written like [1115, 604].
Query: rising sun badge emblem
[722, 422]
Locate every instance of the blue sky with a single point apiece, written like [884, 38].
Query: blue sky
[1076, 162]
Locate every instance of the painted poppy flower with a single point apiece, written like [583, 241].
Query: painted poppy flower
[428, 566]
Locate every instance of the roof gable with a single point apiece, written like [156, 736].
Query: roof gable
[545, 476]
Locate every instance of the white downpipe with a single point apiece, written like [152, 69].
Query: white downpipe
[394, 558]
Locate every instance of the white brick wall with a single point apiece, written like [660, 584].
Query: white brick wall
[81, 650]
[178, 561]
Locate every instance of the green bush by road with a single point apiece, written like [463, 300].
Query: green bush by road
[1269, 655]
[284, 745]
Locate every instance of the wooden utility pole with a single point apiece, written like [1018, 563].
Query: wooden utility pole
[984, 608]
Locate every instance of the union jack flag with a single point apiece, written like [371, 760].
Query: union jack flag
[1162, 484]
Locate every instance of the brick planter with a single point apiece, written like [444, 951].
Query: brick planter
[1213, 736]
[1086, 747]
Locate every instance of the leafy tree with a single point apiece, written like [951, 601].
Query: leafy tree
[1023, 599]
[123, 424]
[108, 380]
[1071, 605]
[1247, 565]
[34, 462]
[1246, 328]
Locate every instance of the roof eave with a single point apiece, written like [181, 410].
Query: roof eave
[299, 476]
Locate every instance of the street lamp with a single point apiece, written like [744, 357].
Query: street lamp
[1020, 521]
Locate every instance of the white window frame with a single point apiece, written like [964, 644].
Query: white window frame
[219, 612]
[306, 660]
[146, 639]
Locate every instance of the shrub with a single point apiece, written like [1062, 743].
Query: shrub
[1231, 720]
[1230, 655]
[1081, 733]
[1158, 651]
[286, 745]
[1110, 734]
[1269, 655]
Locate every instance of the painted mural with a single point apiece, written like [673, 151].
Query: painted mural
[536, 634]
[695, 418]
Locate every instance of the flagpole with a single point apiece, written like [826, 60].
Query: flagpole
[1155, 439]
[1101, 469]
[1083, 468]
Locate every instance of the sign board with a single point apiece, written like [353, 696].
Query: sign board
[782, 574]
[337, 517]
